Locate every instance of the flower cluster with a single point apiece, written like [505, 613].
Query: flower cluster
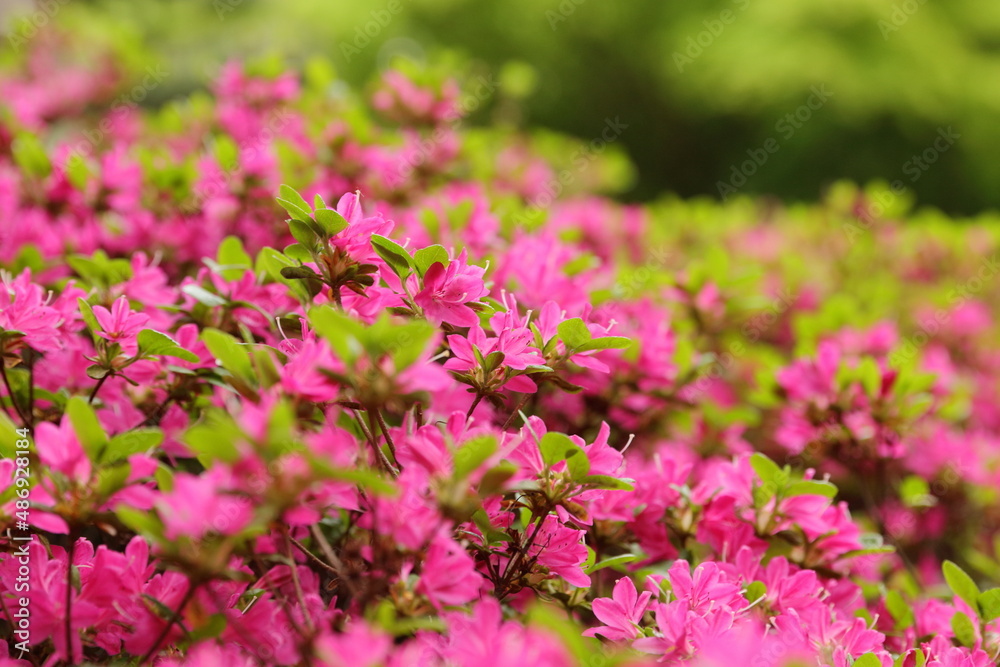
[404, 428]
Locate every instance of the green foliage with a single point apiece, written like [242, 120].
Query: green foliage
[888, 94]
[961, 583]
[156, 343]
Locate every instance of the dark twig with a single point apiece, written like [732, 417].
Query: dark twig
[174, 618]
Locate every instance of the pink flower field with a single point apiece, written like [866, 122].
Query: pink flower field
[298, 373]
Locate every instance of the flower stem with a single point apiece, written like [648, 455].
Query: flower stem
[97, 388]
[475, 404]
[69, 596]
[173, 619]
[10, 392]
[385, 431]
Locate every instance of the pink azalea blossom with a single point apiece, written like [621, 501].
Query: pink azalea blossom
[121, 325]
[621, 614]
[446, 292]
[200, 504]
[23, 308]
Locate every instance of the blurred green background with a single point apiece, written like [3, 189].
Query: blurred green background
[698, 84]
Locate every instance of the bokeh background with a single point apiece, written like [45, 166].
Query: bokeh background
[701, 86]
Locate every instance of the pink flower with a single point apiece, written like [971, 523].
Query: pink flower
[302, 375]
[622, 613]
[355, 240]
[705, 588]
[447, 291]
[514, 344]
[121, 325]
[23, 308]
[448, 574]
[671, 640]
[59, 449]
[199, 504]
[210, 654]
[561, 550]
[486, 639]
[359, 646]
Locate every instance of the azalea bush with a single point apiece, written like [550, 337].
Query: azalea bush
[295, 374]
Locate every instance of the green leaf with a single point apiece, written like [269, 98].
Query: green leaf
[144, 523]
[99, 269]
[29, 155]
[868, 660]
[493, 361]
[965, 631]
[111, 479]
[494, 479]
[299, 252]
[87, 428]
[868, 552]
[472, 454]
[214, 439]
[303, 233]
[605, 343]
[554, 446]
[299, 273]
[766, 469]
[367, 479]
[156, 343]
[342, 332]
[131, 442]
[203, 296]
[557, 622]
[293, 202]
[8, 437]
[330, 221]
[233, 259]
[901, 612]
[87, 312]
[263, 362]
[210, 629]
[989, 604]
[409, 341]
[870, 376]
[961, 583]
[425, 257]
[394, 255]
[164, 476]
[616, 562]
[755, 591]
[607, 482]
[811, 488]
[573, 333]
[229, 353]
[577, 463]
[915, 492]
[77, 171]
[271, 262]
